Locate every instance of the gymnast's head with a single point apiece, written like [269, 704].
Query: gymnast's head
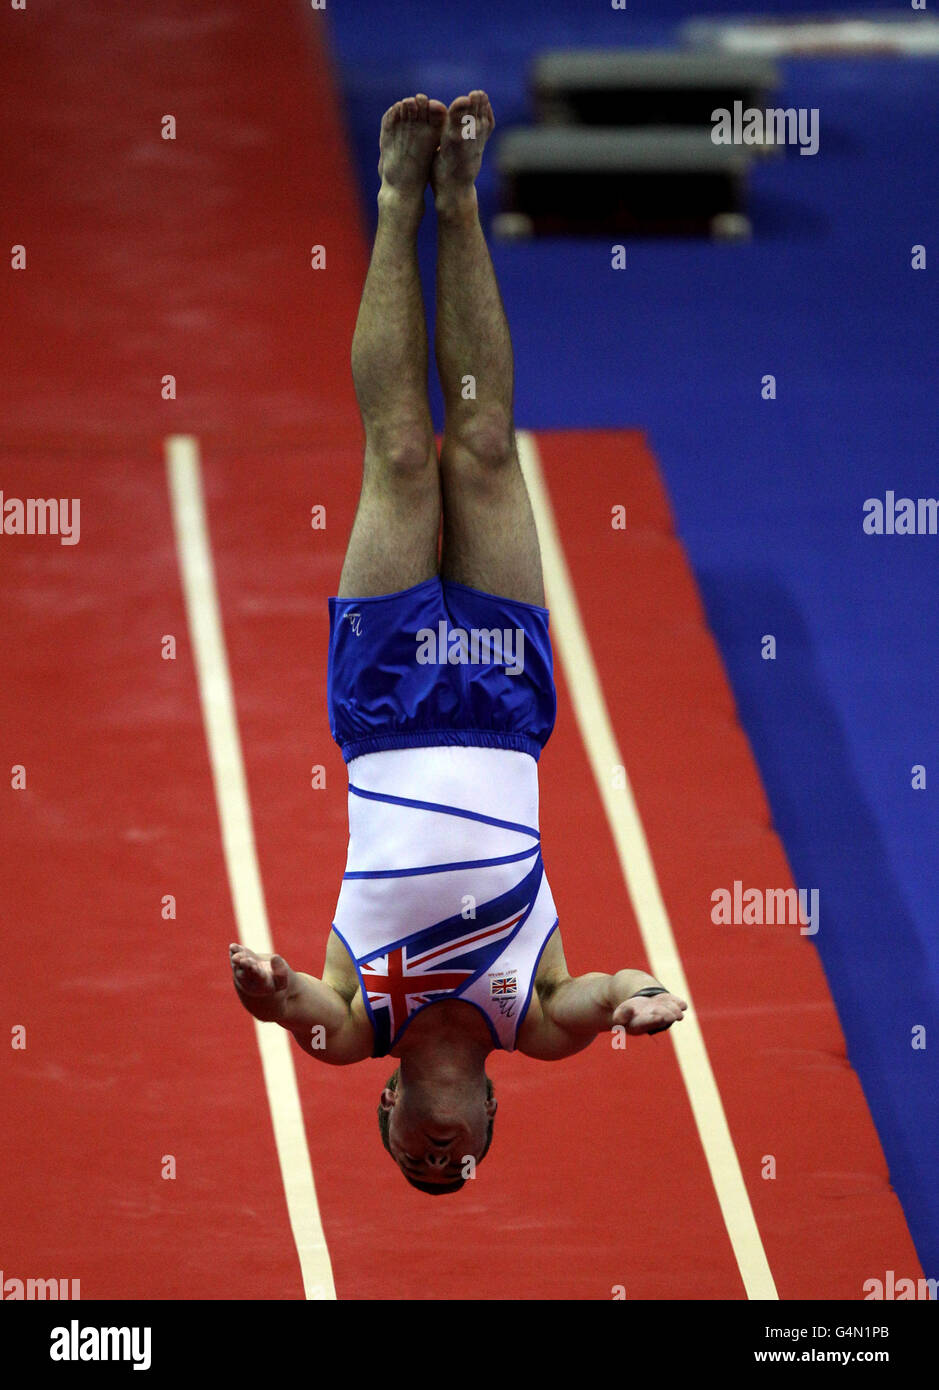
[432, 1133]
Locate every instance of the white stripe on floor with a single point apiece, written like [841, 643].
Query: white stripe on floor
[638, 870]
[244, 877]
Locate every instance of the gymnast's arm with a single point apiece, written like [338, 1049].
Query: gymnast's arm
[316, 1014]
[574, 1009]
[597, 1003]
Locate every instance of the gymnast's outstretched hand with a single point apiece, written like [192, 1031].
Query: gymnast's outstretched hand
[319, 1017]
[258, 975]
[649, 1014]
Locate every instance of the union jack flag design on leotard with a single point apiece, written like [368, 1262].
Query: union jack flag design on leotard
[441, 960]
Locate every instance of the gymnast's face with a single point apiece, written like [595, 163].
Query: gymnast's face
[431, 1136]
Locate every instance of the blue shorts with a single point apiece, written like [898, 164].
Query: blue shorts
[439, 663]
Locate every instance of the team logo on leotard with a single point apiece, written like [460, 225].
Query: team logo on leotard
[355, 622]
[503, 990]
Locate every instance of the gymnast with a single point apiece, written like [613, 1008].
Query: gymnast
[445, 943]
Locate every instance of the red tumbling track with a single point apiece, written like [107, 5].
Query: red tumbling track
[829, 1219]
[192, 257]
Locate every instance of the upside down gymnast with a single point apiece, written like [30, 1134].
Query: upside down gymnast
[445, 942]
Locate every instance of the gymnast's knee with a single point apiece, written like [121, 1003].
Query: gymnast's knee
[401, 454]
[482, 444]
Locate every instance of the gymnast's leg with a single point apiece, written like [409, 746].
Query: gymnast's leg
[489, 536]
[394, 539]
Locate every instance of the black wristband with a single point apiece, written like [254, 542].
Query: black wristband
[648, 992]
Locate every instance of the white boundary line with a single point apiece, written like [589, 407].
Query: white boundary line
[244, 877]
[639, 872]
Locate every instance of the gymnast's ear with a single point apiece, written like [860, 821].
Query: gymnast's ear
[387, 1099]
[492, 1106]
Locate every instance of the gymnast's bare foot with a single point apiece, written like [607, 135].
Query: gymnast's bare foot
[410, 133]
[469, 124]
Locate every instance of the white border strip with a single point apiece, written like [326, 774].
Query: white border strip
[639, 872]
[244, 877]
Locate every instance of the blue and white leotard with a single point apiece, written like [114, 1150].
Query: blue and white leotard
[444, 894]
